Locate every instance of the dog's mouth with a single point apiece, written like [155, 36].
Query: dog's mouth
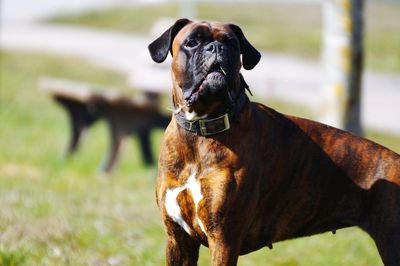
[213, 82]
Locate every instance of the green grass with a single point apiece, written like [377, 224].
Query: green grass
[55, 212]
[294, 29]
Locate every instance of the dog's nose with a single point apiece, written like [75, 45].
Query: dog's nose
[214, 47]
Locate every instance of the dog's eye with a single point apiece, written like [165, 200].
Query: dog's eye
[192, 43]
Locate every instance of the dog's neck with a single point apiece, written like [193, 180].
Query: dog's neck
[216, 121]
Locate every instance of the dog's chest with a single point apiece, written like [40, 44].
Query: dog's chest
[182, 205]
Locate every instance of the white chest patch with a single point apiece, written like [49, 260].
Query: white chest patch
[172, 206]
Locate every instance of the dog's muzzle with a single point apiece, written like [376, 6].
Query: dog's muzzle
[214, 83]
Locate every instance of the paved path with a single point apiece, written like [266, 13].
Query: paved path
[277, 76]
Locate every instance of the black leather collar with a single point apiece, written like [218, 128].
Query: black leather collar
[205, 127]
[217, 124]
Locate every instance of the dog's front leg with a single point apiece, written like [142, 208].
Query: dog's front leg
[181, 248]
[225, 240]
[223, 253]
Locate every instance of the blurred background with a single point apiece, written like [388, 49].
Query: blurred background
[82, 111]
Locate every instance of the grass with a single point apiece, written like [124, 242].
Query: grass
[55, 212]
[294, 29]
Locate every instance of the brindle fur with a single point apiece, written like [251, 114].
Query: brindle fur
[273, 177]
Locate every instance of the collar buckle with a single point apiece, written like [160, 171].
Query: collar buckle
[204, 130]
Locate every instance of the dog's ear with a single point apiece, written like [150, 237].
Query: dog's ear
[250, 55]
[160, 47]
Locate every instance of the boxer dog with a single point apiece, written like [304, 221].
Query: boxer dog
[237, 176]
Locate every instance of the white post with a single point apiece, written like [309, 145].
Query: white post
[342, 61]
[188, 9]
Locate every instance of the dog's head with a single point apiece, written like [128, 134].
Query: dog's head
[207, 57]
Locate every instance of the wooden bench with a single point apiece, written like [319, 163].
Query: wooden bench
[125, 116]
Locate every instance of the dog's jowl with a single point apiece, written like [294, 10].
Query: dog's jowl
[237, 176]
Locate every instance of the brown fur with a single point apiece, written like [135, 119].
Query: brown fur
[273, 177]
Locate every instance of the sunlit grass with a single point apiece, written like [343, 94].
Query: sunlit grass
[64, 212]
[56, 212]
[286, 28]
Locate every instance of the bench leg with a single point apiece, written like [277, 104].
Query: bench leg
[79, 120]
[76, 131]
[117, 136]
[145, 146]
